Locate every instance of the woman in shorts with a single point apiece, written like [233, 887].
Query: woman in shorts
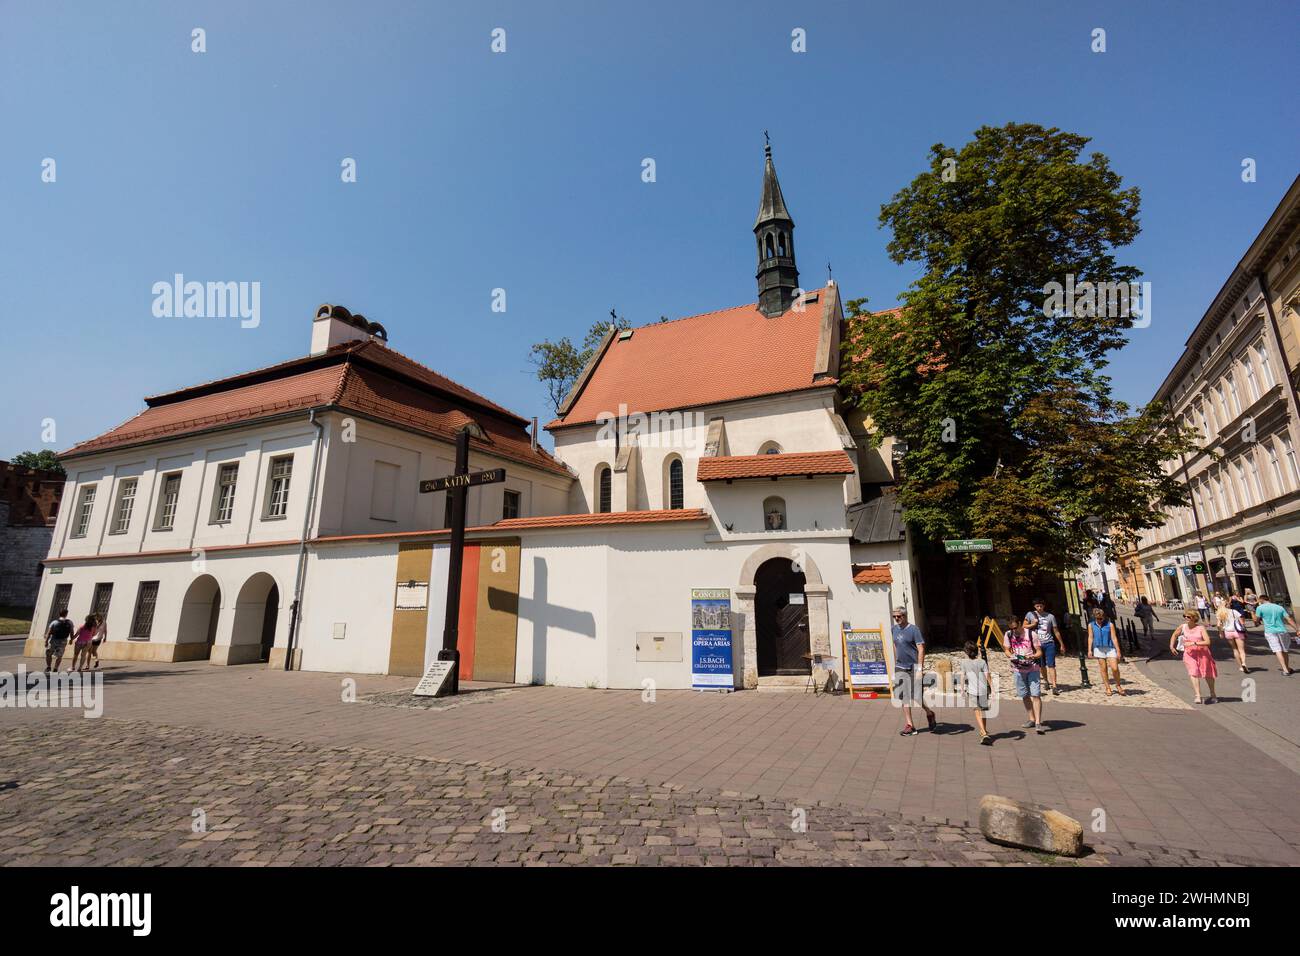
[1194, 641]
[1026, 655]
[1233, 631]
[1103, 646]
[101, 635]
[81, 649]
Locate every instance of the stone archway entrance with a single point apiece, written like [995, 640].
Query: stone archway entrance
[257, 611]
[200, 613]
[817, 612]
[780, 619]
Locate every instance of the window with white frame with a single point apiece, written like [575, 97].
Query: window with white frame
[1243, 489]
[1292, 466]
[1223, 497]
[1209, 501]
[1223, 406]
[1255, 481]
[1232, 393]
[1275, 466]
[1252, 384]
[277, 486]
[1265, 369]
[167, 501]
[125, 505]
[85, 507]
[510, 504]
[223, 498]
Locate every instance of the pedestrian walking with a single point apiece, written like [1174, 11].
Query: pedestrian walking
[1193, 641]
[1107, 605]
[1234, 632]
[56, 640]
[1145, 613]
[979, 688]
[1049, 639]
[1103, 646]
[1278, 627]
[81, 646]
[909, 665]
[101, 635]
[1025, 654]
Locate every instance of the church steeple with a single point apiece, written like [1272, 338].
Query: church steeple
[778, 277]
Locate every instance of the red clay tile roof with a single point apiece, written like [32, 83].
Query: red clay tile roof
[797, 464]
[704, 359]
[873, 574]
[363, 377]
[615, 518]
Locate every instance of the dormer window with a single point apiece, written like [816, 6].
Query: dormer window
[769, 448]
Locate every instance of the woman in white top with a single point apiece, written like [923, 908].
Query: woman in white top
[1232, 630]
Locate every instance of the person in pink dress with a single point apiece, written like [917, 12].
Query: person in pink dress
[1193, 640]
[81, 650]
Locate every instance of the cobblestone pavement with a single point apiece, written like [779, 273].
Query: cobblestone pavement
[1167, 780]
[130, 795]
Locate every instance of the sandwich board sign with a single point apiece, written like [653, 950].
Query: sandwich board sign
[866, 663]
[434, 681]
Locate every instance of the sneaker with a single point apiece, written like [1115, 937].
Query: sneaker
[1028, 725]
[1040, 728]
[908, 732]
[1056, 692]
[932, 721]
[986, 741]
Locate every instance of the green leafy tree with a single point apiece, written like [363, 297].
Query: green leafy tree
[44, 460]
[1000, 396]
[559, 363]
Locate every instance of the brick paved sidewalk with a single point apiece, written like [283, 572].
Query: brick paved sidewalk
[1165, 779]
[132, 798]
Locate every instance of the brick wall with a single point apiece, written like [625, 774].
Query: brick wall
[29, 505]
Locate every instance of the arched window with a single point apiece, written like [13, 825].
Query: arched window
[780, 244]
[769, 246]
[769, 448]
[774, 514]
[604, 489]
[1272, 579]
[675, 489]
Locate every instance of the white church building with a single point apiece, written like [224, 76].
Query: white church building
[704, 478]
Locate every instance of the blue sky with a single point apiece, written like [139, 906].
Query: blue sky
[522, 170]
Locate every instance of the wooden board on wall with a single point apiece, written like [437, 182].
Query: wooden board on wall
[497, 613]
[406, 649]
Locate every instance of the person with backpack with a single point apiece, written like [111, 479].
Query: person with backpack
[1026, 657]
[1049, 638]
[1145, 613]
[56, 640]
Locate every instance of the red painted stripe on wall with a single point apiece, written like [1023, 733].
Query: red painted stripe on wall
[468, 610]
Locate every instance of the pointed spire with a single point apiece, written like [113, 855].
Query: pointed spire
[772, 203]
[778, 276]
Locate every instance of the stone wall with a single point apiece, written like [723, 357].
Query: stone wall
[22, 549]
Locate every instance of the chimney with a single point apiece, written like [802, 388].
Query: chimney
[534, 433]
[335, 325]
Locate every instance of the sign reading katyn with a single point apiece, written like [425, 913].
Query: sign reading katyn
[967, 544]
[468, 480]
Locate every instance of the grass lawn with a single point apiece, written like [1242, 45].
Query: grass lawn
[15, 620]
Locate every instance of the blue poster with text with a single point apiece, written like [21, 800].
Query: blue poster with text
[711, 639]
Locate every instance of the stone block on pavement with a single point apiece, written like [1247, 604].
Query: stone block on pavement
[1013, 823]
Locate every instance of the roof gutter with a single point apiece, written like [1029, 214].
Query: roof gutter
[300, 572]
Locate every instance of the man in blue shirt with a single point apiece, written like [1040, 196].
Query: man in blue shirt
[909, 664]
[1278, 626]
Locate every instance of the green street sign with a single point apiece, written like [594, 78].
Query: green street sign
[961, 545]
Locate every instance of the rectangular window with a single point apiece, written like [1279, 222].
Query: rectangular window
[1291, 463]
[84, 509]
[142, 620]
[171, 494]
[223, 500]
[277, 488]
[1275, 465]
[1265, 369]
[62, 598]
[1232, 393]
[103, 597]
[1254, 477]
[1242, 487]
[510, 508]
[1251, 383]
[383, 491]
[125, 505]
